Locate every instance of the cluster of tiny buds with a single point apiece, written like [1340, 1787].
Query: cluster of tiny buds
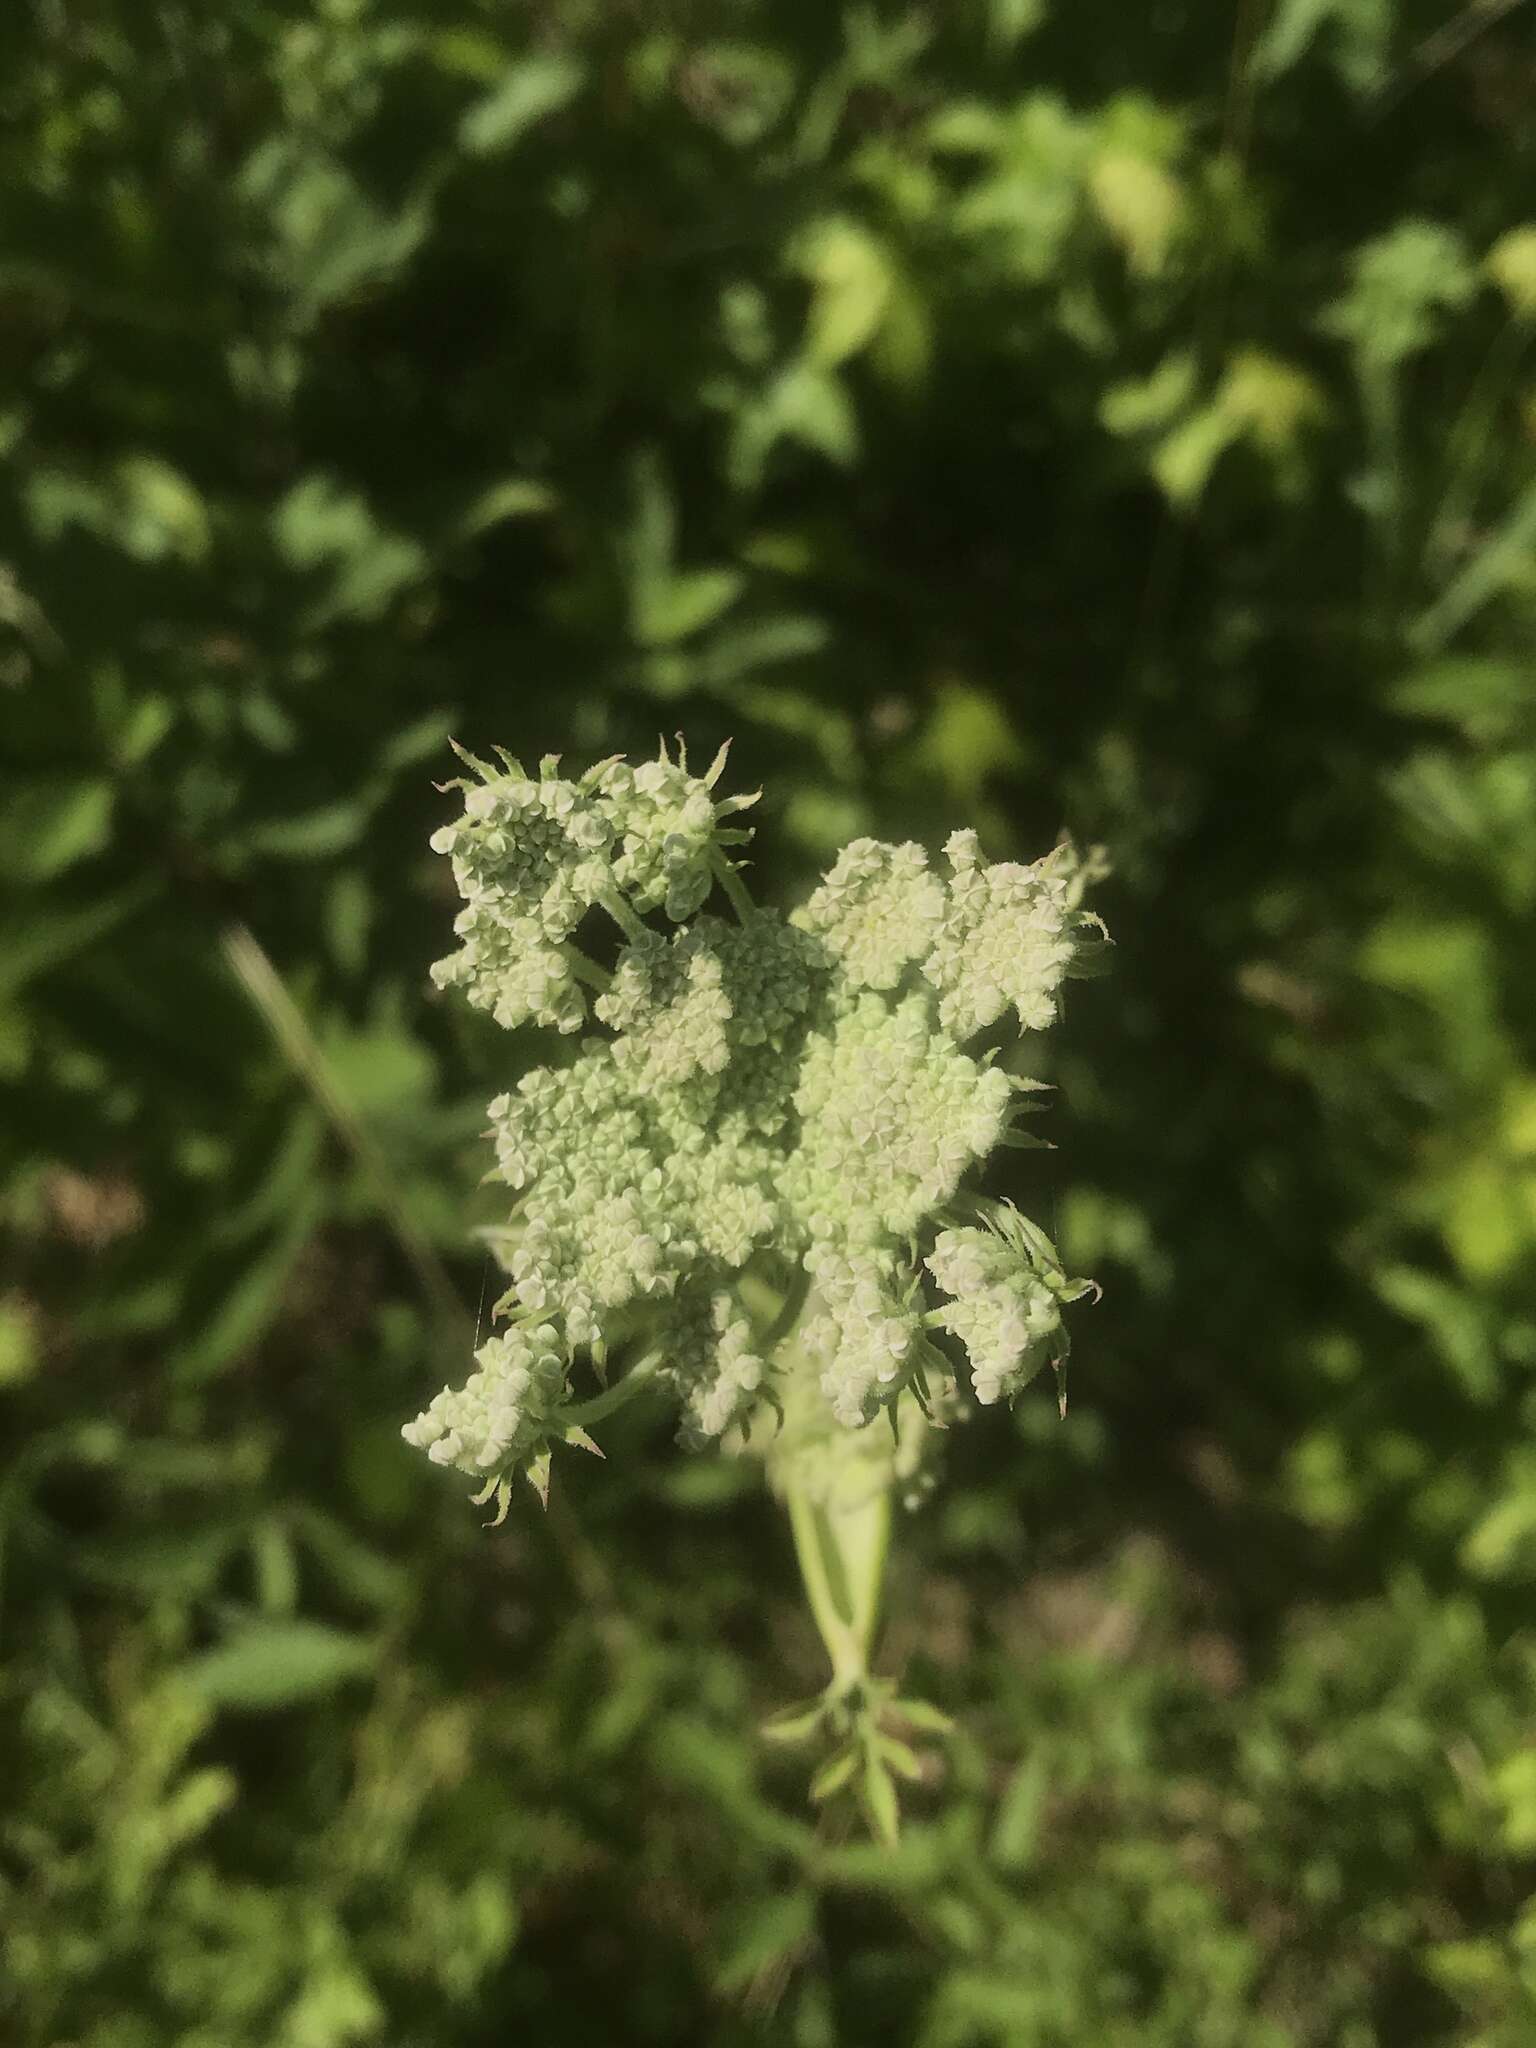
[504, 1410]
[1007, 1289]
[748, 1088]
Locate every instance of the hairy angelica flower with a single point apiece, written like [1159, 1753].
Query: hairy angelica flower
[758, 1110]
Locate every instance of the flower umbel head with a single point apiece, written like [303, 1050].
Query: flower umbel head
[750, 1095]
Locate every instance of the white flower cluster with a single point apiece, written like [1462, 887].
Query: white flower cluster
[532, 856]
[990, 939]
[601, 1224]
[530, 859]
[1005, 1305]
[891, 1115]
[503, 1413]
[878, 909]
[866, 1333]
[1008, 937]
[666, 826]
[796, 1087]
[669, 1005]
[711, 1362]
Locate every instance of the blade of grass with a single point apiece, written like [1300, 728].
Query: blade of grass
[252, 967]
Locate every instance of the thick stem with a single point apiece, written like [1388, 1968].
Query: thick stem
[841, 1523]
[842, 1551]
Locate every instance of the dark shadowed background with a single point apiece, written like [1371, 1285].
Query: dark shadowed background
[1020, 413]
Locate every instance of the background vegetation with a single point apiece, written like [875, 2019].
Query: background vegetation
[1006, 412]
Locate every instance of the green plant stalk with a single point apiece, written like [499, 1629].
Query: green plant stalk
[735, 889]
[1478, 581]
[841, 1550]
[586, 969]
[266, 990]
[1380, 405]
[1468, 442]
[634, 1382]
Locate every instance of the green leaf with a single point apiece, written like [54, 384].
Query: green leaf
[684, 604]
[967, 739]
[1140, 204]
[31, 944]
[834, 1775]
[267, 1664]
[1183, 462]
[1503, 1538]
[923, 1715]
[322, 529]
[1503, 561]
[880, 1800]
[795, 1724]
[1511, 263]
[768, 1933]
[1016, 1829]
[852, 283]
[902, 1759]
[1361, 46]
[1144, 404]
[183, 1563]
[1402, 282]
[530, 93]
[1011, 20]
[354, 1568]
[139, 504]
[805, 403]
[516, 497]
[249, 1305]
[51, 822]
[327, 235]
[309, 835]
[276, 1566]
[1453, 1319]
[20, 1352]
[1490, 697]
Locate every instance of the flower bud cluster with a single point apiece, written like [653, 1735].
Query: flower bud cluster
[878, 909]
[503, 1413]
[532, 855]
[530, 858]
[1008, 938]
[866, 1334]
[712, 1364]
[667, 831]
[668, 1003]
[891, 1115]
[600, 1224]
[1003, 1310]
[799, 1086]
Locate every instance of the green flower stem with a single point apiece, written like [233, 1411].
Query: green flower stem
[634, 1382]
[841, 1552]
[628, 921]
[585, 969]
[735, 889]
[789, 1312]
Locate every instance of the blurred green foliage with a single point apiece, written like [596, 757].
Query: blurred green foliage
[1007, 412]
